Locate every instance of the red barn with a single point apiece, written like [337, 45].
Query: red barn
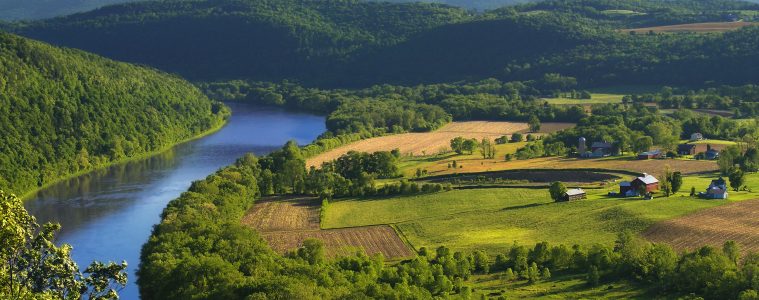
[631, 188]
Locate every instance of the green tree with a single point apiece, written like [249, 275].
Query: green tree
[457, 145]
[732, 251]
[469, 145]
[33, 267]
[516, 137]
[312, 251]
[737, 178]
[534, 123]
[557, 191]
[643, 144]
[677, 181]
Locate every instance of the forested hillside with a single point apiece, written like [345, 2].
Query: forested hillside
[353, 43]
[64, 111]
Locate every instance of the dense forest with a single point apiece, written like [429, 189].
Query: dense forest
[345, 44]
[64, 111]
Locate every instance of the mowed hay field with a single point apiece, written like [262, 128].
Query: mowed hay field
[428, 143]
[737, 222]
[694, 27]
[286, 222]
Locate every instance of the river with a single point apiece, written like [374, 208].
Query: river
[108, 214]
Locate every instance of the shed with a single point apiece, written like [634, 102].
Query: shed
[575, 194]
[650, 154]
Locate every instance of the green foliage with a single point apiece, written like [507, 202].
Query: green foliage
[737, 178]
[557, 190]
[33, 267]
[345, 43]
[65, 111]
[534, 123]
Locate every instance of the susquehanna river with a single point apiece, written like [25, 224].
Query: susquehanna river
[108, 214]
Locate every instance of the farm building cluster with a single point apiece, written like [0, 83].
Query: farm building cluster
[716, 190]
[606, 149]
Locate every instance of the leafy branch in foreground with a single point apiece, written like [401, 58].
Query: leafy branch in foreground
[33, 267]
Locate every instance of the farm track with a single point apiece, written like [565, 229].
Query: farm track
[737, 222]
[286, 223]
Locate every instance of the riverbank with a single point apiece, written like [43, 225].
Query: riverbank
[30, 194]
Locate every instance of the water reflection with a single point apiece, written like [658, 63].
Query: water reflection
[108, 214]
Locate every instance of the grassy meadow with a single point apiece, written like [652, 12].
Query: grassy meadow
[492, 219]
[603, 95]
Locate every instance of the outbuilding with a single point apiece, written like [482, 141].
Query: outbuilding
[650, 155]
[633, 188]
[575, 194]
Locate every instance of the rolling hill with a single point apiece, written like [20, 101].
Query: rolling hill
[65, 111]
[354, 43]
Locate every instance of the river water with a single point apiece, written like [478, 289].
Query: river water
[108, 214]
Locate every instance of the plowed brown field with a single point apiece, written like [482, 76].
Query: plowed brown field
[433, 142]
[737, 222]
[286, 223]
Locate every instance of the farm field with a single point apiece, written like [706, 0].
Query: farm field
[737, 221]
[606, 95]
[473, 164]
[558, 287]
[693, 27]
[492, 219]
[286, 222]
[433, 142]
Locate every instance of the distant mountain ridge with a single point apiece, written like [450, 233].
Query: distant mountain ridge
[352, 43]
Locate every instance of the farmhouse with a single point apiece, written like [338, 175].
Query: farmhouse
[650, 155]
[696, 137]
[716, 190]
[632, 188]
[574, 194]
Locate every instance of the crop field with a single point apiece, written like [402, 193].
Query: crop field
[694, 27]
[345, 242]
[286, 223]
[435, 142]
[737, 221]
[573, 176]
[492, 219]
[473, 164]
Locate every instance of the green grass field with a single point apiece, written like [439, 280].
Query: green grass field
[492, 219]
[558, 287]
[612, 94]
